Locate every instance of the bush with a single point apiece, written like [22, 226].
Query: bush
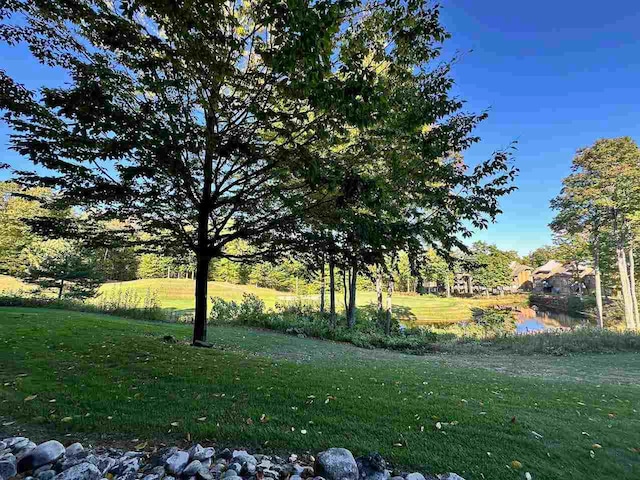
[121, 303]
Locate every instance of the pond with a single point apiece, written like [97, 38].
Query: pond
[529, 320]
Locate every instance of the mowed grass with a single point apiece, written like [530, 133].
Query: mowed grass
[177, 294]
[113, 378]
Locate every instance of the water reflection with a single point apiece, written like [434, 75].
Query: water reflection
[528, 320]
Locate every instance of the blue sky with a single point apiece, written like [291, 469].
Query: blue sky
[555, 76]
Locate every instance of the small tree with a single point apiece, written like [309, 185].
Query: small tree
[64, 266]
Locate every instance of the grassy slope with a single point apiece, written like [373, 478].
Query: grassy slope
[97, 367]
[178, 294]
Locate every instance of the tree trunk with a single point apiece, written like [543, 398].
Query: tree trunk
[447, 286]
[345, 289]
[387, 327]
[203, 255]
[632, 287]
[60, 289]
[332, 292]
[200, 318]
[322, 285]
[596, 271]
[624, 278]
[379, 293]
[351, 314]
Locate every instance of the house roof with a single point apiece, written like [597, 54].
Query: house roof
[552, 266]
[517, 268]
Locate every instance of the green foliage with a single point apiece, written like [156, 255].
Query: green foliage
[64, 266]
[494, 322]
[492, 266]
[17, 207]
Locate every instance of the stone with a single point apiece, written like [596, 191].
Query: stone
[307, 472]
[151, 476]
[47, 452]
[159, 471]
[242, 456]
[103, 462]
[194, 450]
[229, 474]
[415, 476]
[175, 463]
[66, 463]
[204, 454]
[450, 476]
[125, 465]
[226, 454]
[397, 477]
[3, 445]
[235, 466]
[74, 450]
[160, 457]
[248, 469]
[8, 466]
[46, 475]
[16, 447]
[336, 464]
[204, 474]
[191, 469]
[372, 467]
[11, 441]
[24, 449]
[295, 477]
[82, 471]
[271, 474]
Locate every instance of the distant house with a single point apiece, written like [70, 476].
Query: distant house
[521, 277]
[563, 278]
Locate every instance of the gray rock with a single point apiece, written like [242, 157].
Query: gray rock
[372, 467]
[204, 474]
[43, 468]
[67, 463]
[159, 471]
[397, 478]
[194, 450]
[3, 445]
[242, 456]
[24, 449]
[336, 464]
[44, 453]
[8, 466]
[248, 469]
[82, 471]
[229, 474]
[46, 475]
[11, 441]
[235, 466]
[295, 477]
[103, 462]
[226, 454]
[151, 476]
[191, 469]
[125, 466]
[16, 447]
[415, 476]
[175, 463]
[160, 458]
[204, 454]
[271, 474]
[169, 477]
[450, 476]
[74, 450]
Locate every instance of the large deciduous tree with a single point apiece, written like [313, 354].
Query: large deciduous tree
[193, 120]
[602, 196]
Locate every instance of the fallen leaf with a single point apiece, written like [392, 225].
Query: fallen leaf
[303, 432]
[596, 446]
[528, 476]
[66, 419]
[516, 465]
[31, 397]
[592, 454]
[249, 421]
[202, 419]
[263, 418]
[174, 424]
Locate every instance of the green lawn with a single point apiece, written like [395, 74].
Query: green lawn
[178, 294]
[113, 378]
